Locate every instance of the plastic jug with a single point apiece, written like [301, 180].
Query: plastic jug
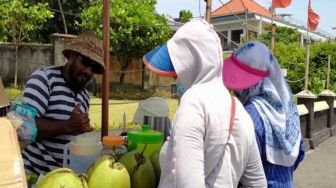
[137, 140]
[83, 150]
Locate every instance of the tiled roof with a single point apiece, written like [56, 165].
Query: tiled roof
[239, 6]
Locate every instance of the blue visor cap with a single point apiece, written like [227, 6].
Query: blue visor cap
[158, 61]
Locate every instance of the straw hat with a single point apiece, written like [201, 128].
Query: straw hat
[88, 45]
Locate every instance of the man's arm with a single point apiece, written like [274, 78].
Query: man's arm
[77, 123]
[36, 94]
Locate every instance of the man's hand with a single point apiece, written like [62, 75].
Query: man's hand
[79, 122]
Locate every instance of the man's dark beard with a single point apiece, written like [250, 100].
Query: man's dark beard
[74, 86]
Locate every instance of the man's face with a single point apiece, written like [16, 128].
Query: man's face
[81, 70]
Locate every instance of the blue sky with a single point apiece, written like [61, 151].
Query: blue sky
[299, 9]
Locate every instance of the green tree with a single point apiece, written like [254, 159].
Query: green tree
[70, 21]
[292, 57]
[282, 35]
[185, 16]
[18, 21]
[319, 53]
[135, 29]
[289, 53]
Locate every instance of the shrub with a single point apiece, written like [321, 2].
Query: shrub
[12, 93]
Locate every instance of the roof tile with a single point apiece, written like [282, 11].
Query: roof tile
[239, 6]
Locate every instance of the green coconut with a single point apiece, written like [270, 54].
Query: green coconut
[155, 160]
[106, 172]
[61, 178]
[140, 169]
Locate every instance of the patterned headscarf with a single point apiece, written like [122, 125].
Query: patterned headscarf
[274, 101]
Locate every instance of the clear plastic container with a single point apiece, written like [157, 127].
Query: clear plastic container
[138, 140]
[83, 150]
[114, 146]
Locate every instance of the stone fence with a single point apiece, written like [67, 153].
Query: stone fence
[317, 117]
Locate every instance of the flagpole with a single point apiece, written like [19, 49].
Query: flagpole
[306, 93]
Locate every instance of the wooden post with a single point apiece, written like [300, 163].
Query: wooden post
[307, 63]
[273, 27]
[273, 37]
[246, 27]
[208, 10]
[106, 80]
[328, 73]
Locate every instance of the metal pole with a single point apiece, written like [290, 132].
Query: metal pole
[208, 10]
[106, 46]
[307, 62]
[328, 73]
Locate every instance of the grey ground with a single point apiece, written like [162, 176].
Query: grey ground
[318, 169]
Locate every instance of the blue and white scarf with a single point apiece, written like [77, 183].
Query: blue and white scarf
[274, 101]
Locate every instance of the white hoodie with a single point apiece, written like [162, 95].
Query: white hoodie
[194, 156]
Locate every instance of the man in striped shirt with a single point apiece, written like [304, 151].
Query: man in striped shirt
[62, 102]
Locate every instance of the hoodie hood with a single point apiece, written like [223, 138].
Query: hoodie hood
[196, 53]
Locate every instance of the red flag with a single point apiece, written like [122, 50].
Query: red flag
[281, 3]
[313, 18]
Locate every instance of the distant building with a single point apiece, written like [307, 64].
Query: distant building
[173, 24]
[238, 17]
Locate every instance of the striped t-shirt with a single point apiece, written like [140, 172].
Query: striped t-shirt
[47, 91]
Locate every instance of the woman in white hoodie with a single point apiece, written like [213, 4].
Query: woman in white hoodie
[212, 141]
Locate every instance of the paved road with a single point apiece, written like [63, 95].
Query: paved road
[318, 169]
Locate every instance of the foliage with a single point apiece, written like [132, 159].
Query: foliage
[283, 35]
[18, 20]
[292, 57]
[319, 65]
[185, 16]
[135, 28]
[130, 94]
[71, 9]
[12, 93]
[289, 53]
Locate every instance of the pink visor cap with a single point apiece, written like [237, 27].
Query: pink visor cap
[238, 75]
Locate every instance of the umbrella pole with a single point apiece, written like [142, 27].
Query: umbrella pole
[106, 46]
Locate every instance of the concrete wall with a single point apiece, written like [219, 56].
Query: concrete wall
[30, 57]
[34, 56]
[133, 76]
